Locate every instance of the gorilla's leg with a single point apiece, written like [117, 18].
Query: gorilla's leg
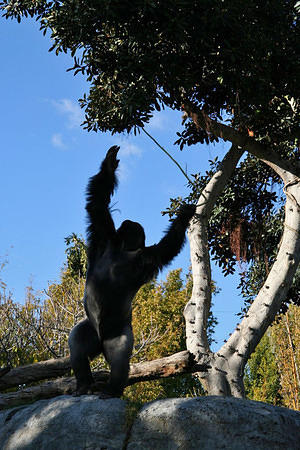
[84, 343]
[117, 352]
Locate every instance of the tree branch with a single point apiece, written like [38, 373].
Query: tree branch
[228, 363]
[266, 154]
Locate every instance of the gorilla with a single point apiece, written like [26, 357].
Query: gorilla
[118, 265]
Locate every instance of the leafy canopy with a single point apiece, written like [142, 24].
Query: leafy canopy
[220, 55]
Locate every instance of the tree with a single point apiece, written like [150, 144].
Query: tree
[272, 372]
[39, 328]
[22, 335]
[285, 335]
[206, 58]
[159, 331]
[262, 379]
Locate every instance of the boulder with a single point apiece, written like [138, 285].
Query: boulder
[86, 422]
[210, 423]
[65, 423]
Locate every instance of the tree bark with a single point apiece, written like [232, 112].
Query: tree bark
[174, 365]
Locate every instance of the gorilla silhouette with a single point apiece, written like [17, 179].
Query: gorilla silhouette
[118, 265]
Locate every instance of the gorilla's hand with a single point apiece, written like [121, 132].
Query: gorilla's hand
[111, 162]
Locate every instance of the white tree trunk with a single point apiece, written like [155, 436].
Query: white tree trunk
[225, 375]
[197, 309]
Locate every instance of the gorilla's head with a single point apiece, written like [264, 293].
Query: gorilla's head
[132, 235]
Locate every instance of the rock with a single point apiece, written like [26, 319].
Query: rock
[214, 423]
[65, 423]
[77, 423]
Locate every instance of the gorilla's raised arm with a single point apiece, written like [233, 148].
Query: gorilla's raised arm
[99, 191]
[159, 255]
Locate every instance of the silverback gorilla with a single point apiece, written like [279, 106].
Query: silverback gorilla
[118, 265]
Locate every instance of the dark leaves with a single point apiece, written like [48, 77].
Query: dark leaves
[142, 55]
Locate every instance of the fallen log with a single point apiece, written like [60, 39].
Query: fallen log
[52, 368]
[174, 365]
[169, 366]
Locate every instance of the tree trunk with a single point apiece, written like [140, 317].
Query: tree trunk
[225, 375]
[197, 309]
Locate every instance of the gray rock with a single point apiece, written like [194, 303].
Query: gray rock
[77, 423]
[210, 423]
[65, 423]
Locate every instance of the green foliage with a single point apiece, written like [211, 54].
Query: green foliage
[20, 342]
[76, 256]
[246, 225]
[240, 227]
[38, 329]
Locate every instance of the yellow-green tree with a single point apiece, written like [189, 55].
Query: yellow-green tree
[62, 309]
[286, 338]
[272, 373]
[38, 329]
[21, 336]
[262, 379]
[159, 331]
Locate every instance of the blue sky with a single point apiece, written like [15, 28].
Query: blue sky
[47, 158]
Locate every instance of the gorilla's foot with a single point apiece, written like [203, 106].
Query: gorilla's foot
[83, 390]
[106, 395]
[107, 392]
